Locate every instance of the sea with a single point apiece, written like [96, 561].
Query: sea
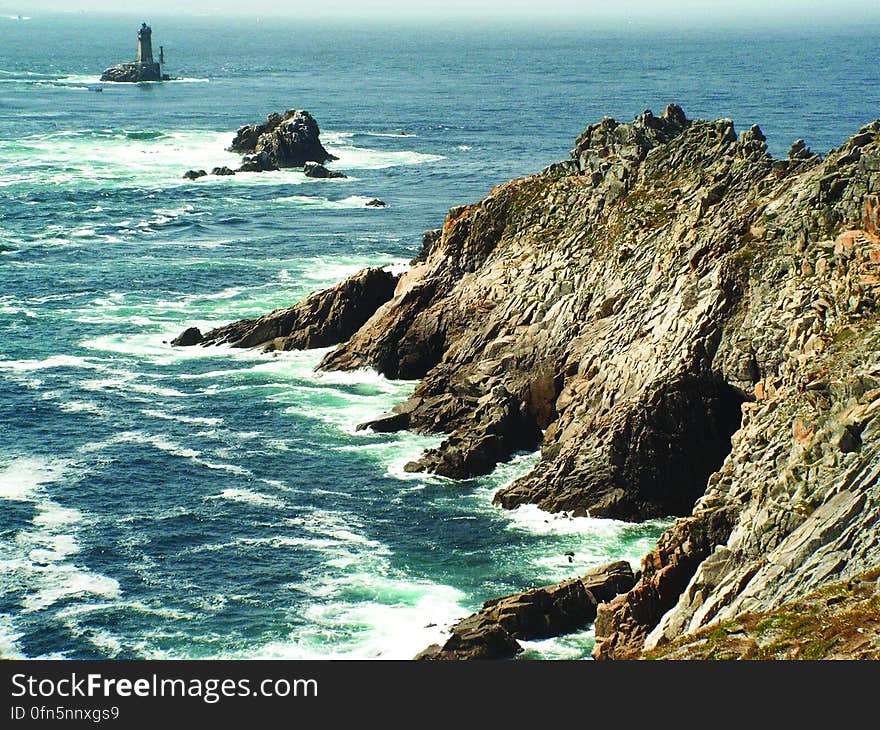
[215, 503]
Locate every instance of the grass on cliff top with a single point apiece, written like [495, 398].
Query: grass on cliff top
[841, 621]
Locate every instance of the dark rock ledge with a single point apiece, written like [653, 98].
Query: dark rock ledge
[321, 319]
[492, 632]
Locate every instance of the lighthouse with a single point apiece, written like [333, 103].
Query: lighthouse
[144, 67]
[145, 44]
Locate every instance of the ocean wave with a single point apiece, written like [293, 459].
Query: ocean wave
[365, 158]
[249, 496]
[334, 136]
[180, 418]
[310, 201]
[23, 476]
[577, 645]
[35, 562]
[51, 362]
[120, 157]
[9, 637]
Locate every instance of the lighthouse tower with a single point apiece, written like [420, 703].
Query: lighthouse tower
[145, 67]
[145, 44]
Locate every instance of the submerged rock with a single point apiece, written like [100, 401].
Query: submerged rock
[194, 174]
[313, 169]
[222, 171]
[376, 203]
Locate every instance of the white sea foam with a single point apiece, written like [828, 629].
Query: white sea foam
[180, 418]
[9, 637]
[362, 158]
[309, 201]
[38, 556]
[249, 496]
[64, 581]
[75, 406]
[568, 647]
[98, 157]
[22, 478]
[359, 605]
[54, 361]
[396, 630]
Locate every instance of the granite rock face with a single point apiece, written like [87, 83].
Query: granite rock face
[838, 621]
[288, 140]
[686, 326]
[538, 614]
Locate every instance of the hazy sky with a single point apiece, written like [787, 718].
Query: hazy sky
[697, 12]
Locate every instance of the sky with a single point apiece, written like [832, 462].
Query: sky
[664, 12]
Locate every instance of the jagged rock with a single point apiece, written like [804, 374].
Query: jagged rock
[290, 140]
[538, 614]
[260, 162]
[376, 203]
[194, 174]
[313, 169]
[134, 73]
[188, 338]
[504, 427]
[840, 621]
[222, 171]
[689, 327]
[322, 319]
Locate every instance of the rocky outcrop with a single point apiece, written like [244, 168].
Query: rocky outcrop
[320, 320]
[313, 169]
[840, 621]
[134, 73]
[284, 140]
[492, 632]
[260, 162]
[288, 140]
[687, 326]
[194, 174]
[188, 338]
[376, 203]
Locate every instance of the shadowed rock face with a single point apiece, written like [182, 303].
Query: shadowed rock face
[284, 140]
[658, 460]
[320, 320]
[676, 317]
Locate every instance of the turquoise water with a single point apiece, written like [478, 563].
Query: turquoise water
[218, 503]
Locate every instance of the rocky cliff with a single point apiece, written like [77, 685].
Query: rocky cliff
[686, 326]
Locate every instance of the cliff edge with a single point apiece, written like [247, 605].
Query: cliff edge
[685, 326]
